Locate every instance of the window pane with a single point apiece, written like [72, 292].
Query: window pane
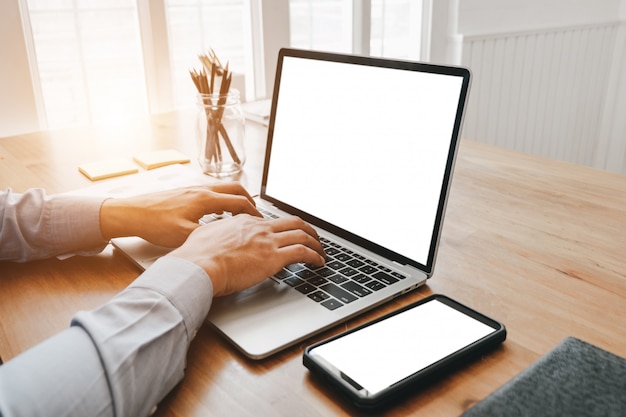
[89, 59]
[197, 26]
[395, 28]
[322, 25]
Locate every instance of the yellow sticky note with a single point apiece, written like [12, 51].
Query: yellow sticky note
[161, 158]
[106, 169]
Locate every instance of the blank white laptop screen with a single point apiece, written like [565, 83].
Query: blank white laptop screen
[343, 133]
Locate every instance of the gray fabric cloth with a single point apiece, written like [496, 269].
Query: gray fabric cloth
[574, 379]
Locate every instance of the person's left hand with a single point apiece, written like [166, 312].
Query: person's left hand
[167, 218]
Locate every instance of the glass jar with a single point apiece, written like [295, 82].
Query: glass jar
[220, 132]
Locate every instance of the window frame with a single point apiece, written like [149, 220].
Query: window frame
[262, 48]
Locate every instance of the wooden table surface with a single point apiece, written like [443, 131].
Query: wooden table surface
[537, 244]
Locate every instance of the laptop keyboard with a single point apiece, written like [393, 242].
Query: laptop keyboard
[346, 277]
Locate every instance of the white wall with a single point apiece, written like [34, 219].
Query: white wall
[611, 146]
[18, 110]
[580, 44]
[498, 16]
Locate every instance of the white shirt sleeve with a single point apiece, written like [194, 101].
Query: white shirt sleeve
[35, 226]
[120, 359]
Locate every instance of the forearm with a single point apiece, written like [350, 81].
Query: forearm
[120, 359]
[35, 226]
[143, 334]
[61, 376]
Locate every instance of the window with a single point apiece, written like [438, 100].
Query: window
[95, 58]
[394, 26]
[396, 29]
[323, 25]
[89, 60]
[195, 27]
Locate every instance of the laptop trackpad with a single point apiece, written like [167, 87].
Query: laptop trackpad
[239, 297]
[267, 317]
[251, 300]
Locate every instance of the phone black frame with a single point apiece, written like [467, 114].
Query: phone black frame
[422, 376]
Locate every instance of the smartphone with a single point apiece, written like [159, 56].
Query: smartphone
[380, 360]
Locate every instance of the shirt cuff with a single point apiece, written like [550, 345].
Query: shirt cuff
[74, 224]
[184, 284]
[62, 376]
[151, 321]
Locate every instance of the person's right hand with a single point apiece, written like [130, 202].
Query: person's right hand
[241, 251]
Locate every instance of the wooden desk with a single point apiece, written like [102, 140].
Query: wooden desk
[537, 244]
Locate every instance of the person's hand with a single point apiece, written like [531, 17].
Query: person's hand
[241, 251]
[167, 218]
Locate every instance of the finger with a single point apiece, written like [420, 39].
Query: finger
[234, 204]
[292, 223]
[300, 253]
[234, 188]
[299, 237]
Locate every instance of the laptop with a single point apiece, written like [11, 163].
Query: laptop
[363, 149]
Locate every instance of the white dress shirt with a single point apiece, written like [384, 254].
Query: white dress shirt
[120, 359]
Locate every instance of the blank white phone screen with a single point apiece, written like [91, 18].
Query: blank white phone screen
[380, 355]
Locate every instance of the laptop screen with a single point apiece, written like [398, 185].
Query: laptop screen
[365, 147]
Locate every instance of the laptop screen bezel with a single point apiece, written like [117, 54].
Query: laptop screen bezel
[461, 72]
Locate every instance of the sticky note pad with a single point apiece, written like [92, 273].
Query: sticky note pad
[161, 158]
[106, 169]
